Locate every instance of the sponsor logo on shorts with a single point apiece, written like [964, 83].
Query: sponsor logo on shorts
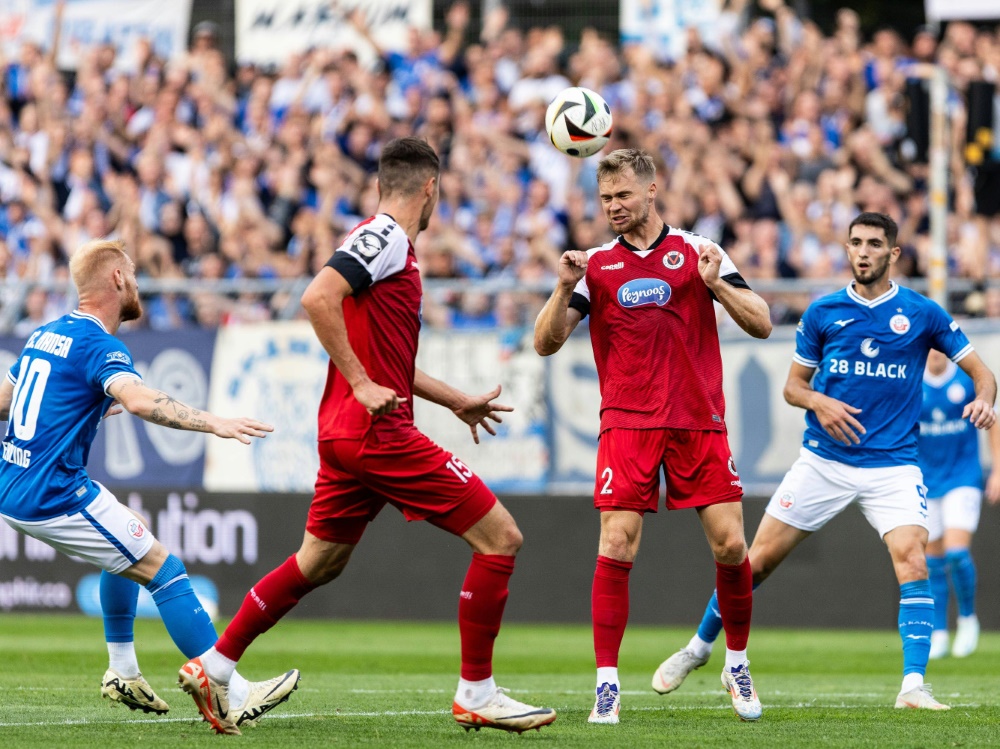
[673, 260]
[899, 324]
[786, 500]
[136, 529]
[732, 466]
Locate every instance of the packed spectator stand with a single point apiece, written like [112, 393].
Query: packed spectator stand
[232, 185]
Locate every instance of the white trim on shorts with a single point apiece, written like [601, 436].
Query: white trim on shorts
[815, 490]
[104, 533]
[958, 509]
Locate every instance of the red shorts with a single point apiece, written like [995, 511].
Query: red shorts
[357, 477]
[698, 466]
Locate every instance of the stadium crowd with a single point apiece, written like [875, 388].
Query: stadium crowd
[770, 139]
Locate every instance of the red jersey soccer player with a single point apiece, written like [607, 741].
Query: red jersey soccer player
[653, 329]
[365, 308]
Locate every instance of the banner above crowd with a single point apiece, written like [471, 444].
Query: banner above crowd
[955, 10]
[268, 31]
[88, 23]
[662, 25]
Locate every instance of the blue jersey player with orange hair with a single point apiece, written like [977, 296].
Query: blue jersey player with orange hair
[71, 373]
[858, 371]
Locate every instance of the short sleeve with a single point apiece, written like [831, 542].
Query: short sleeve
[110, 362]
[370, 254]
[946, 335]
[808, 348]
[14, 372]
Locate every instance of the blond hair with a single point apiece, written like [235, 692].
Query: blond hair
[92, 258]
[616, 162]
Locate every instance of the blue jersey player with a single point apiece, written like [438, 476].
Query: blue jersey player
[70, 374]
[953, 475]
[858, 371]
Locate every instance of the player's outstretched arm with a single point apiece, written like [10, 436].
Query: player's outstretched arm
[748, 310]
[980, 412]
[473, 410]
[6, 396]
[158, 407]
[835, 416]
[557, 320]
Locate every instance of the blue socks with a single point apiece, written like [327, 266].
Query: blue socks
[119, 596]
[963, 577]
[916, 622]
[937, 567]
[711, 620]
[185, 618]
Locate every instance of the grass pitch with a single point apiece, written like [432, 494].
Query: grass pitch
[391, 684]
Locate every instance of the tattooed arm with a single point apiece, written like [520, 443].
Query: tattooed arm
[160, 408]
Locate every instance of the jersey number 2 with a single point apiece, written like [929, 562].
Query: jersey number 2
[27, 400]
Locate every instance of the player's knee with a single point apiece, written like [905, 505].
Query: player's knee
[509, 540]
[617, 543]
[729, 549]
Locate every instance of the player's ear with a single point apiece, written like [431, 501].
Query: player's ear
[894, 254]
[378, 188]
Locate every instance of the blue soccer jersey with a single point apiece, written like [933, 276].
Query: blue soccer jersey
[949, 444]
[60, 396]
[871, 355]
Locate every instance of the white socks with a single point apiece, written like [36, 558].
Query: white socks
[474, 694]
[911, 682]
[218, 666]
[699, 647]
[121, 658]
[607, 675]
[735, 658]
[239, 690]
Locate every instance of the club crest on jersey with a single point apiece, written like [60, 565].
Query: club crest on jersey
[899, 324]
[868, 349]
[956, 393]
[673, 259]
[786, 500]
[135, 529]
[643, 291]
[367, 245]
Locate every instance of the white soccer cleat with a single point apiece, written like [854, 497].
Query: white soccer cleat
[135, 694]
[939, 644]
[211, 697]
[607, 706]
[739, 684]
[966, 636]
[673, 671]
[504, 713]
[919, 699]
[264, 696]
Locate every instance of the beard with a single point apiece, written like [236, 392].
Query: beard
[872, 275]
[131, 307]
[632, 224]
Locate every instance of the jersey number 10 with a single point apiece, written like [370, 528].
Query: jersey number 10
[27, 401]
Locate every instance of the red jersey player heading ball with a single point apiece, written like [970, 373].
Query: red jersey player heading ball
[365, 308]
[650, 296]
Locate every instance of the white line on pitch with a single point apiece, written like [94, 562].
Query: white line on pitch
[415, 713]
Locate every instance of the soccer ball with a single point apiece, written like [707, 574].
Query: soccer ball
[578, 122]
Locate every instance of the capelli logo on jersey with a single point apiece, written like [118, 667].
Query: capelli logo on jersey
[644, 291]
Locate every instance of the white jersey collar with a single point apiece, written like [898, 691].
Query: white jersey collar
[85, 316]
[893, 290]
[936, 381]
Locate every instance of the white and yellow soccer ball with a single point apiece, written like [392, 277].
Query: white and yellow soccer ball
[578, 122]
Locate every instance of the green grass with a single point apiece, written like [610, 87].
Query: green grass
[391, 684]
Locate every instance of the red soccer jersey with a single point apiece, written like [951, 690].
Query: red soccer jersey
[654, 333]
[383, 325]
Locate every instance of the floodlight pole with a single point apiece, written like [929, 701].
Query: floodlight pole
[937, 273]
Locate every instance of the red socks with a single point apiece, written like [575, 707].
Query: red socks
[269, 600]
[609, 608]
[734, 587]
[480, 609]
